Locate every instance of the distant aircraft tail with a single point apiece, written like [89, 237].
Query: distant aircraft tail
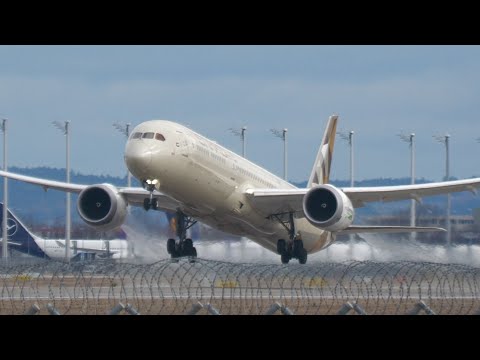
[19, 237]
[321, 169]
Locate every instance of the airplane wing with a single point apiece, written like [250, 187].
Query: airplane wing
[360, 196]
[46, 184]
[134, 196]
[355, 229]
[11, 243]
[277, 201]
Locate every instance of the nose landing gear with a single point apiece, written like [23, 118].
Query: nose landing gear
[150, 202]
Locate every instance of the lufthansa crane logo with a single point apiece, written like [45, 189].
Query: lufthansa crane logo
[12, 227]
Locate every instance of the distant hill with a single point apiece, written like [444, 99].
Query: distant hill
[48, 208]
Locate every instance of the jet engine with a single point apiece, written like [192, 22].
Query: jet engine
[102, 207]
[328, 208]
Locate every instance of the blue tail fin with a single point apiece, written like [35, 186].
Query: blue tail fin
[19, 237]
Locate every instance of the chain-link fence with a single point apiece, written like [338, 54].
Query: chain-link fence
[203, 286]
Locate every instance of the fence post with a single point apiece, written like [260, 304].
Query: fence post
[117, 309]
[212, 310]
[358, 309]
[419, 307]
[51, 309]
[131, 310]
[33, 310]
[286, 311]
[345, 309]
[195, 308]
[273, 309]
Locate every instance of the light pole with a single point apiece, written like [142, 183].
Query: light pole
[349, 138]
[240, 133]
[5, 195]
[125, 130]
[282, 134]
[410, 139]
[446, 141]
[65, 128]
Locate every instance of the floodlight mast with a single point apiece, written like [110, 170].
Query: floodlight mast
[5, 195]
[410, 139]
[282, 134]
[65, 129]
[445, 140]
[348, 137]
[240, 133]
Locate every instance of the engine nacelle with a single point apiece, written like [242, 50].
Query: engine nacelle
[102, 207]
[328, 208]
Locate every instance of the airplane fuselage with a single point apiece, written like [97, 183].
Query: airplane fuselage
[55, 249]
[210, 181]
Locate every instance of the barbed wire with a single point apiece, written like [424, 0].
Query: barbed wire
[173, 287]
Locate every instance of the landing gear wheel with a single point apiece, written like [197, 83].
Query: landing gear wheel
[187, 247]
[146, 204]
[154, 204]
[302, 258]
[171, 246]
[285, 258]
[193, 255]
[294, 248]
[281, 247]
[297, 248]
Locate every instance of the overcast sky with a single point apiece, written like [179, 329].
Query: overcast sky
[378, 91]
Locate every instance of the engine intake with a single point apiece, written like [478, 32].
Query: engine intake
[328, 208]
[102, 207]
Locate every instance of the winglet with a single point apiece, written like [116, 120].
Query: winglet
[321, 169]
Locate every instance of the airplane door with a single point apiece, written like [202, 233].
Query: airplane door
[182, 144]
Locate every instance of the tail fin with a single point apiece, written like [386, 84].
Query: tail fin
[18, 235]
[321, 168]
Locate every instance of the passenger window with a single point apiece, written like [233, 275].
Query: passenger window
[159, 137]
[136, 135]
[148, 135]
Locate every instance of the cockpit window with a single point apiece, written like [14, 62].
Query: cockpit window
[148, 135]
[159, 137]
[136, 135]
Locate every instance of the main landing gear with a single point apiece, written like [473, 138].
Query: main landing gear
[185, 246]
[294, 248]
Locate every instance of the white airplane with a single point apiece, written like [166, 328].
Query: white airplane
[23, 240]
[198, 179]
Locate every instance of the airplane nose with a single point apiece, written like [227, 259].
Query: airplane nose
[138, 160]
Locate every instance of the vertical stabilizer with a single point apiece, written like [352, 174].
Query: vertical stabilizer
[19, 237]
[321, 169]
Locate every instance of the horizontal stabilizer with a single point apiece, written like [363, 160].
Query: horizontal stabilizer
[91, 250]
[11, 243]
[388, 229]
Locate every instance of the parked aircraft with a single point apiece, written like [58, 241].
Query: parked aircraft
[23, 240]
